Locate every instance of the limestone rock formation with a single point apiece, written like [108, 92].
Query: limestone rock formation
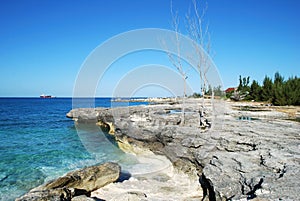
[83, 198]
[240, 159]
[132, 196]
[78, 182]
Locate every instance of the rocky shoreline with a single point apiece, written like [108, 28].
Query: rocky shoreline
[251, 151]
[76, 185]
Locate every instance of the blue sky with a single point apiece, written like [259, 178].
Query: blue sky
[44, 43]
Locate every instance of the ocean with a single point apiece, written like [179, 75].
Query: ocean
[38, 143]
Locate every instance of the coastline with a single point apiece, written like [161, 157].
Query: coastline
[237, 159]
[241, 158]
[153, 178]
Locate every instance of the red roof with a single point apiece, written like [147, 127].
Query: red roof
[231, 89]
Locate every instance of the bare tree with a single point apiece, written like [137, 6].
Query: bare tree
[176, 60]
[199, 33]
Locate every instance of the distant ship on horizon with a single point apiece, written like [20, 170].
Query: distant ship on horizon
[46, 96]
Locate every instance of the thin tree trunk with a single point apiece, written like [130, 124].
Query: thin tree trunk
[183, 101]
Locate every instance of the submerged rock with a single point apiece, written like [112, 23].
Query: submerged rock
[78, 182]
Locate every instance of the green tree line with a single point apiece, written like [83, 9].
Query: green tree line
[277, 92]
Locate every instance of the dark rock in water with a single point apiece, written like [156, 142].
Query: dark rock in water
[78, 182]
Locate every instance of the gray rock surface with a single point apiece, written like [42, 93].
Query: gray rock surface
[240, 159]
[83, 198]
[76, 183]
[131, 196]
[48, 195]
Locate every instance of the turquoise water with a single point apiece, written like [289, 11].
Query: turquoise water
[38, 143]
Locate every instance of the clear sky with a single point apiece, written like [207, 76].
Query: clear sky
[44, 43]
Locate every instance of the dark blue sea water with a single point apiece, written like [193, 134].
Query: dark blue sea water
[38, 143]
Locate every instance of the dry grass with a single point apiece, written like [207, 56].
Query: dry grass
[293, 112]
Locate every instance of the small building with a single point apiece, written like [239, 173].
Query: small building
[230, 90]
